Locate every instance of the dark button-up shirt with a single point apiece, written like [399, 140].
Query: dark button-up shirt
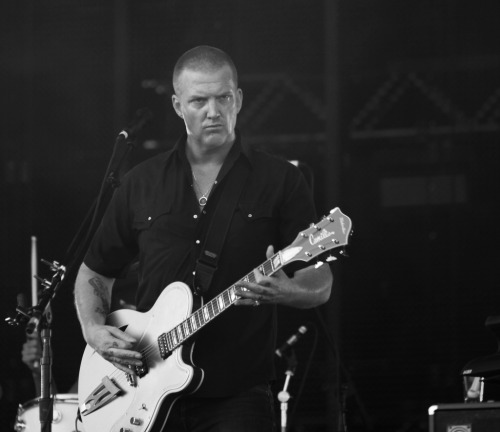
[154, 216]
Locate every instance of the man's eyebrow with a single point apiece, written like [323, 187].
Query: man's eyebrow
[193, 97]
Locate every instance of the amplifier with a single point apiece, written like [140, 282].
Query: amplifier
[465, 417]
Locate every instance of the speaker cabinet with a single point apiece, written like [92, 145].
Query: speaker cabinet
[465, 417]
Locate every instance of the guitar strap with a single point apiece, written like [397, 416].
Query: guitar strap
[206, 264]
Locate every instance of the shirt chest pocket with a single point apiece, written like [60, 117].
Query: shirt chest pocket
[161, 222]
[252, 222]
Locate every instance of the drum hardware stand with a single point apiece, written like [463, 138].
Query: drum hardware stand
[36, 320]
[284, 395]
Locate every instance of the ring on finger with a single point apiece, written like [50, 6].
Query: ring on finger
[256, 302]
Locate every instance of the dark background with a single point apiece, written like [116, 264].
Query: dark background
[393, 109]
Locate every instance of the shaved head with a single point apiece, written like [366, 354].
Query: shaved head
[203, 58]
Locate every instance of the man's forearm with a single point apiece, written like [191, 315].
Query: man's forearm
[313, 287]
[92, 298]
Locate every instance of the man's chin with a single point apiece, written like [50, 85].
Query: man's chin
[216, 137]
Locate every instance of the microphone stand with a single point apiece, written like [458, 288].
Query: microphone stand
[36, 320]
[35, 316]
[46, 398]
[284, 395]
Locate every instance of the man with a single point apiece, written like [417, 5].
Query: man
[162, 213]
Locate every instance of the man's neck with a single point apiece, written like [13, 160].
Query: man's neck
[200, 156]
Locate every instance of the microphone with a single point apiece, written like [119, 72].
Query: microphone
[141, 117]
[292, 340]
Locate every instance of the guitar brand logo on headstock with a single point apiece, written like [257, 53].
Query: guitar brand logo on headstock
[320, 236]
[342, 225]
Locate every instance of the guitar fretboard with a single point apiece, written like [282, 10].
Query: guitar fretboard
[170, 340]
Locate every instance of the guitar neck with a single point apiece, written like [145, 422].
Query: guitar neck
[170, 340]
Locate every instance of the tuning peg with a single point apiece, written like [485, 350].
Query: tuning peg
[344, 253]
[331, 258]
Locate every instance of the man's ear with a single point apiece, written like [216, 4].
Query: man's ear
[177, 105]
[239, 99]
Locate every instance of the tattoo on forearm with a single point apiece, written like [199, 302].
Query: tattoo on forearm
[100, 291]
[101, 311]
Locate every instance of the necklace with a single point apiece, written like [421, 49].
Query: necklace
[202, 200]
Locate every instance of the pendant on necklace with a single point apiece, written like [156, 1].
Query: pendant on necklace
[202, 201]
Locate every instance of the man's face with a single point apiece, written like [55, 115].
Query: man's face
[209, 103]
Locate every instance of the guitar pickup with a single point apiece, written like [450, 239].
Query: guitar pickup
[102, 395]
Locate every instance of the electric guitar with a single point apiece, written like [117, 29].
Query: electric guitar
[114, 401]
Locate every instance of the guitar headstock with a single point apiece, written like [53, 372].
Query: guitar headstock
[329, 233]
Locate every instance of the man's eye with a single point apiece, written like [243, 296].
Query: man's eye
[225, 98]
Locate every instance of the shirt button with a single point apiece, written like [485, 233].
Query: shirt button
[250, 215]
[195, 216]
[197, 242]
[149, 218]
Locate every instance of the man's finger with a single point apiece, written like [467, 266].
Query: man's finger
[122, 335]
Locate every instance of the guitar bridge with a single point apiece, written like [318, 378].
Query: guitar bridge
[102, 395]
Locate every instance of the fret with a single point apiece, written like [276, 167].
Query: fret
[276, 261]
[206, 315]
[251, 277]
[210, 310]
[197, 316]
[225, 297]
[170, 342]
[174, 337]
[180, 333]
[268, 268]
[199, 319]
[183, 330]
[220, 300]
[186, 329]
[216, 306]
[232, 294]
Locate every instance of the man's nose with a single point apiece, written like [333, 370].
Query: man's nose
[213, 109]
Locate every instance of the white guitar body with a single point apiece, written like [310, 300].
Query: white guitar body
[157, 390]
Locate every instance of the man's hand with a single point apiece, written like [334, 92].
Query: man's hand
[115, 346]
[267, 289]
[309, 287]
[31, 353]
